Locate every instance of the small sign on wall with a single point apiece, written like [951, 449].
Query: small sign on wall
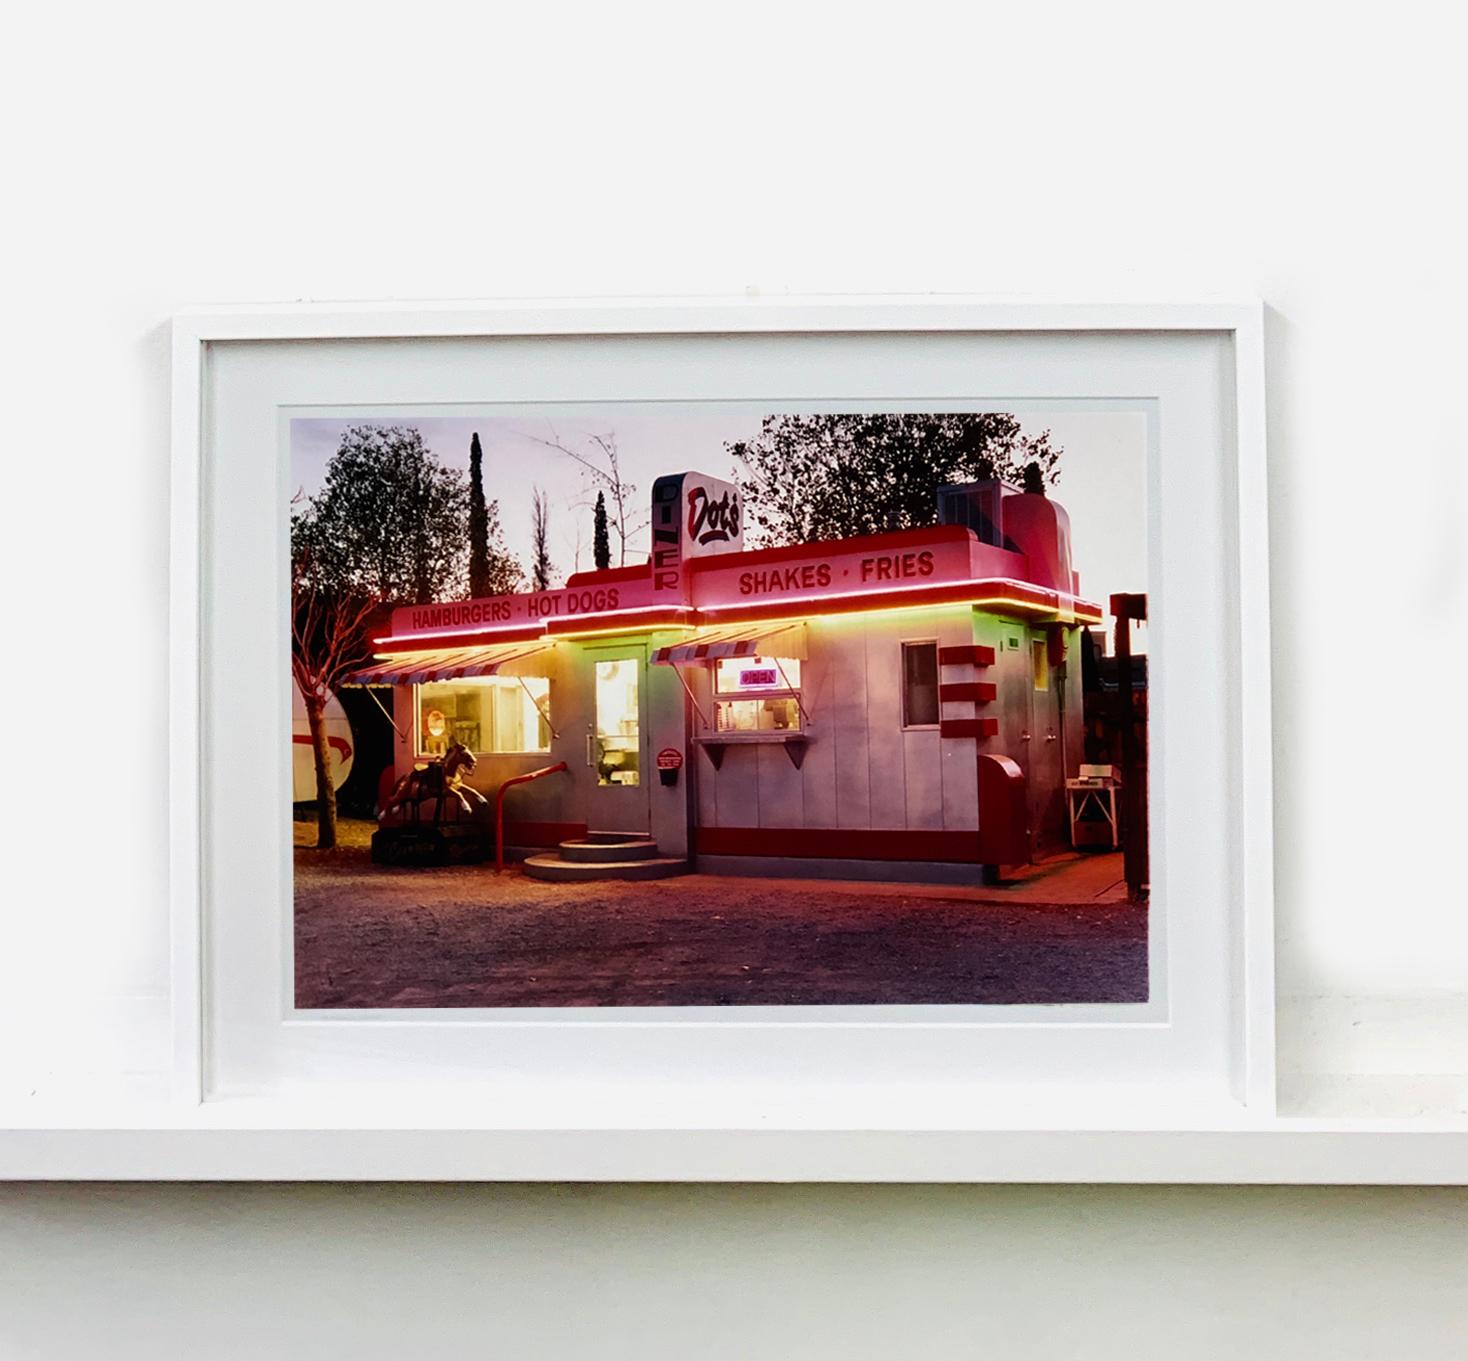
[669, 762]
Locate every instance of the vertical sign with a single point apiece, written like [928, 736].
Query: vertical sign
[693, 514]
[667, 535]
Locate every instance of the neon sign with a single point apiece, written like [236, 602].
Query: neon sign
[759, 676]
[745, 675]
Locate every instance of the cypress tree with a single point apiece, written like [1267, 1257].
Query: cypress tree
[540, 563]
[479, 582]
[601, 539]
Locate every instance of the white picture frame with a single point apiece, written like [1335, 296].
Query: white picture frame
[841, 1109]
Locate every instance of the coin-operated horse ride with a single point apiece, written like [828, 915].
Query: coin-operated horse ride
[458, 829]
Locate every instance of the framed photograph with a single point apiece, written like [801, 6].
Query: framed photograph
[745, 739]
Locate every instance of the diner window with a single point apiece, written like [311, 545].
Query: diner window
[920, 685]
[757, 695]
[487, 714]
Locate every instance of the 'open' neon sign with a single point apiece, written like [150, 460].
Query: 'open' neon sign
[758, 677]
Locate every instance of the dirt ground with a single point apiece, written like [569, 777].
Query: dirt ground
[460, 936]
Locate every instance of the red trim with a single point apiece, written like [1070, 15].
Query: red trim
[980, 692]
[637, 620]
[859, 543]
[337, 744]
[839, 843]
[968, 727]
[608, 576]
[543, 833]
[426, 642]
[1006, 596]
[976, 655]
[1003, 594]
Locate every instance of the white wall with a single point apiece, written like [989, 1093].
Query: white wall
[164, 155]
[733, 1273]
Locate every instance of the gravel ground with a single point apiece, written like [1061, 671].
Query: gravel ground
[368, 936]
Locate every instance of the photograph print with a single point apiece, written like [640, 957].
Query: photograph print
[716, 705]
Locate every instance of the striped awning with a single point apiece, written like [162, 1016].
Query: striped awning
[418, 668]
[736, 640]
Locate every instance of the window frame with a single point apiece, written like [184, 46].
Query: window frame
[489, 682]
[902, 647]
[1040, 665]
[598, 738]
[776, 692]
[786, 691]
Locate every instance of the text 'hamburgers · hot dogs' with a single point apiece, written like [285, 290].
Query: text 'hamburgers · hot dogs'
[507, 609]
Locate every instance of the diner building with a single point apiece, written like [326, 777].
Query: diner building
[904, 704]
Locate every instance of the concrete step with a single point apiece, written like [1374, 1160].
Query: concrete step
[602, 852]
[558, 870]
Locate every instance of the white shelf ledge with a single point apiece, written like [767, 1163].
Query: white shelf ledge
[1303, 1152]
[664, 1133]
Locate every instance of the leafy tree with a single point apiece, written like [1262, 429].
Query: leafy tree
[388, 523]
[831, 476]
[540, 563]
[388, 527]
[1034, 479]
[601, 539]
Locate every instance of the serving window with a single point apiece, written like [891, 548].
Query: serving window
[757, 694]
[487, 714]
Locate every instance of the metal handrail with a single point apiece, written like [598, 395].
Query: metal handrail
[499, 808]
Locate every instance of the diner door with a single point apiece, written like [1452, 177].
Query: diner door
[616, 741]
[1049, 827]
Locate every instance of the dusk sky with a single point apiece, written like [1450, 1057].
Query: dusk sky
[1102, 471]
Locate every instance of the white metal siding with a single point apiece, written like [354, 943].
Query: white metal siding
[861, 769]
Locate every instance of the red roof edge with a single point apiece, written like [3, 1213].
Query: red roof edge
[609, 575]
[642, 619]
[438, 642]
[858, 543]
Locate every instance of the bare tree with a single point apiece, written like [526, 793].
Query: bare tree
[328, 639]
[601, 461]
[540, 563]
[576, 541]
